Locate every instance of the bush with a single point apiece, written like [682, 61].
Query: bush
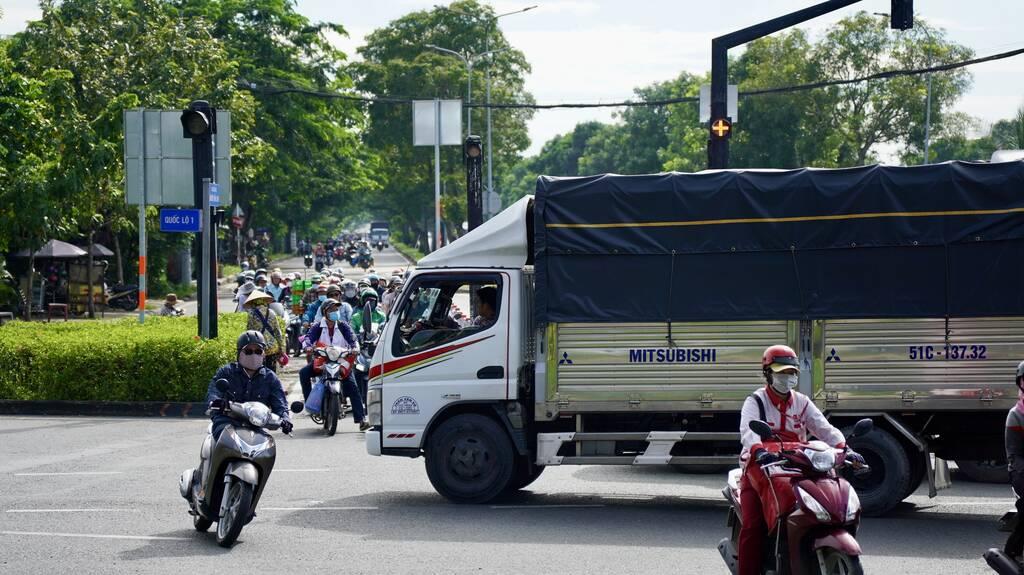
[116, 360]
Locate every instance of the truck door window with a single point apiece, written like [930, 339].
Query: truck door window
[438, 311]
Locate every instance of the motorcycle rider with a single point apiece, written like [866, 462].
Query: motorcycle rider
[247, 380]
[314, 306]
[1015, 462]
[375, 283]
[345, 310]
[331, 331]
[277, 288]
[387, 301]
[377, 315]
[350, 294]
[791, 415]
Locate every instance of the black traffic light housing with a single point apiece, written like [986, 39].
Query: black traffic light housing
[901, 15]
[473, 153]
[199, 120]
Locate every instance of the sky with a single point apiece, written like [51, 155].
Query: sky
[599, 50]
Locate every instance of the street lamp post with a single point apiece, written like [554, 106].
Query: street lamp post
[469, 60]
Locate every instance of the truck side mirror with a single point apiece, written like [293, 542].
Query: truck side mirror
[762, 429]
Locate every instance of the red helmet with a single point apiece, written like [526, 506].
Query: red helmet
[779, 357]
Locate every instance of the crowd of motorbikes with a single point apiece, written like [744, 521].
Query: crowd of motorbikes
[353, 250]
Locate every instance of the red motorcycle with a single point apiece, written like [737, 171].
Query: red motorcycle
[812, 512]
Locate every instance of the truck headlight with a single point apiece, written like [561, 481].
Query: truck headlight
[373, 410]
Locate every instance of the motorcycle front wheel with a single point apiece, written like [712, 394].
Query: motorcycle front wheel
[331, 416]
[838, 563]
[239, 505]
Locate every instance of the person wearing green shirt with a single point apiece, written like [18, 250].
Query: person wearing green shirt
[377, 316]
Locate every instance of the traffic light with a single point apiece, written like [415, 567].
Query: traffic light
[199, 120]
[721, 129]
[474, 155]
[901, 15]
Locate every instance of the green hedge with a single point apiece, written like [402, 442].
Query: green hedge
[117, 360]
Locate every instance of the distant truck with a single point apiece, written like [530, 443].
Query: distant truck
[380, 232]
[630, 314]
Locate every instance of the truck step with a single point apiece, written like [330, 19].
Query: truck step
[658, 451]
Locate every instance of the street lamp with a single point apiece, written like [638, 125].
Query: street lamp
[491, 25]
[470, 60]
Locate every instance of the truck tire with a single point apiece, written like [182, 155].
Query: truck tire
[887, 484]
[984, 471]
[917, 471]
[470, 459]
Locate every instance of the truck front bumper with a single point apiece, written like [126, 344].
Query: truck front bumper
[373, 442]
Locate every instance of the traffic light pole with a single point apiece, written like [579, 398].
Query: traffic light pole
[473, 155]
[718, 146]
[201, 130]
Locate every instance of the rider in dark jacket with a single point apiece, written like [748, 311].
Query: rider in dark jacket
[248, 380]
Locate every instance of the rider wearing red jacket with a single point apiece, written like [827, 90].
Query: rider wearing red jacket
[791, 415]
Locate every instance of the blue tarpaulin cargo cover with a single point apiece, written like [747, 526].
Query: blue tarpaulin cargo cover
[942, 240]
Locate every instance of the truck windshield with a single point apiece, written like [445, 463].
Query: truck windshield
[440, 311]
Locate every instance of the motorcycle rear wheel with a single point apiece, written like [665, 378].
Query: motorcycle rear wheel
[239, 509]
[839, 563]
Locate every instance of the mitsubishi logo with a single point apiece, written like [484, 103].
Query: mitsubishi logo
[565, 359]
[833, 356]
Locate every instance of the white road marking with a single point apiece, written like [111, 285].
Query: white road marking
[582, 506]
[320, 508]
[938, 502]
[71, 510]
[56, 473]
[94, 536]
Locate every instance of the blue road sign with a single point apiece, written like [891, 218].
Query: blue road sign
[214, 195]
[175, 220]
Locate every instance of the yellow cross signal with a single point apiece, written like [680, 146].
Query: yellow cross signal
[721, 128]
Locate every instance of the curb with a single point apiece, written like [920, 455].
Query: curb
[409, 260]
[108, 408]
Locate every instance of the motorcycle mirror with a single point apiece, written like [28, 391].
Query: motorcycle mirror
[221, 385]
[297, 406]
[761, 429]
[862, 428]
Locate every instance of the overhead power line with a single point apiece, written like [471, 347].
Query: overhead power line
[269, 90]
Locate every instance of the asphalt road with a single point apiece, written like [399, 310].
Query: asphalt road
[100, 495]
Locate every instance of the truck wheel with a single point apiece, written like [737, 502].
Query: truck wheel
[524, 475]
[984, 471]
[887, 484]
[470, 459]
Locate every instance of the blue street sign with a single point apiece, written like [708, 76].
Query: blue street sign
[214, 195]
[175, 220]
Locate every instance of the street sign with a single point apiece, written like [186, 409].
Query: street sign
[158, 159]
[214, 195]
[424, 120]
[237, 221]
[721, 129]
[179, 220]
[732, 97]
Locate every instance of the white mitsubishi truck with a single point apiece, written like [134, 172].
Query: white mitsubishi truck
[620, 320]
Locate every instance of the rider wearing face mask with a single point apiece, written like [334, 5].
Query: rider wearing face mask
[791, 415]
[350, 294]
[248, 380]
[331, 331]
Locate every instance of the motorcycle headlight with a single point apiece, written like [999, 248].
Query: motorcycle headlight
[821, 460]
[257, 413]
[374, 413]
[852, 505]
[336, 386]
[811, 504]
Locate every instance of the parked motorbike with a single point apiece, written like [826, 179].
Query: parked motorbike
[336, 364]
[123, 296]
[812, 512]
[233, 470]
[999, 561]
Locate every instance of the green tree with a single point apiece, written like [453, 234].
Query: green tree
[560, 156]
[316, 165]
[397, 62]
